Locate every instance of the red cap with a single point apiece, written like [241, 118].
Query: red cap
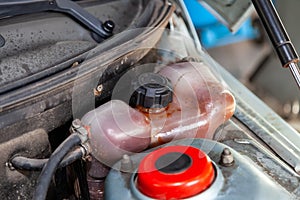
[175, 172]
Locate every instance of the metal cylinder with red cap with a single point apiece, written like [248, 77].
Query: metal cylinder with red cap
[175, 172]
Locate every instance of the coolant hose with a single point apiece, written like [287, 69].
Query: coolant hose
[48, 171]
[33, 164]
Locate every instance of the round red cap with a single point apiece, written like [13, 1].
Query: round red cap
[175, 172]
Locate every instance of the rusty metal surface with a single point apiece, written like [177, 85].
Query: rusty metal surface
[96, 173]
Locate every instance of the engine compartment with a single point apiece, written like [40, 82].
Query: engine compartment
[120, 184]
[68, 74]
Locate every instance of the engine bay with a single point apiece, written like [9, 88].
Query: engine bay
[143, 114]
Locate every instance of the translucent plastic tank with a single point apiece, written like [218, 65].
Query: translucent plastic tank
[116, 129]
[199, 104]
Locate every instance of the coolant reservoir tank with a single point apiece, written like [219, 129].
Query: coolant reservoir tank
[116, 129]
[200, 103]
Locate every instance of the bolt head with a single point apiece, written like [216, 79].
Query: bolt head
[108, 26]
[76, 123]
[226, 158]
[126, 164]
[226, 151]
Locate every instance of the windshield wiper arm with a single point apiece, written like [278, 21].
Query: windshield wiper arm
[19, 7]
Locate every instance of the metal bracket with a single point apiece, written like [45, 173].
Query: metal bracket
[78, 128]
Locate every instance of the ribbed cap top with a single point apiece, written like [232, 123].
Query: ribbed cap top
[151, 91]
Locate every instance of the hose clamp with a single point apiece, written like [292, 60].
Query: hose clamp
[78, 128]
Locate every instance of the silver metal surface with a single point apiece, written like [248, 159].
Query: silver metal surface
[265, 123]
[278, 142]
[243, 180]
[295, 71]
[244, 141]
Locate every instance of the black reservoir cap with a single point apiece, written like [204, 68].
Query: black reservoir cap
[151, 91]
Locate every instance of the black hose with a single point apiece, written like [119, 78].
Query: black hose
[33, 164]
[48, 171]
[81, 175]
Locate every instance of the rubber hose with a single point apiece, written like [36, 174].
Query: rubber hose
[33, 164]
[49, 169]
